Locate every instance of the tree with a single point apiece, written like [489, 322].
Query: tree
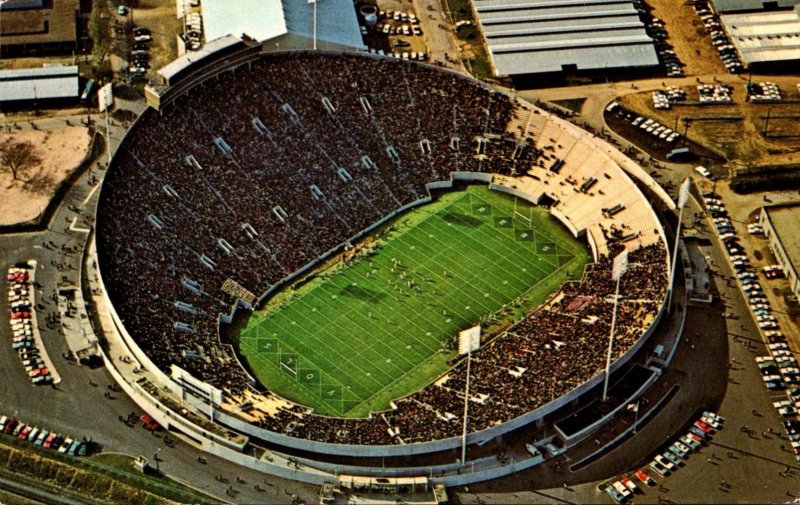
[18, 158]
[100, 30]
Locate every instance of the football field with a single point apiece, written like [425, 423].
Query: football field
[355, 336]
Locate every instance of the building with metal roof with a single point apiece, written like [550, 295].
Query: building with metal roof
[289, 24]
[39, 84]
[544, 36]
[752, 5]
[780, 227]
[28, 26]
[765, 37]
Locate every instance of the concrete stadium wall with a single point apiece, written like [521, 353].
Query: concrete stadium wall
[358, 450]
[490, 474]
[398, 471]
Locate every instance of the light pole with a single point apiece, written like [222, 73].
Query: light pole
[466, 413]
[618, 270]
[315, 23]
[468, 340]
[683, 197]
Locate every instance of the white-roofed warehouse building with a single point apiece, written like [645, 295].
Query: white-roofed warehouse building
[55, 84]
[285, 24]
[766, 37]
[546, 36]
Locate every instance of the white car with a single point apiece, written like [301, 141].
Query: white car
[661, 460]
[702, 171]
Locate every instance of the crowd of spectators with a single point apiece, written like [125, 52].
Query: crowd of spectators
[266, 168]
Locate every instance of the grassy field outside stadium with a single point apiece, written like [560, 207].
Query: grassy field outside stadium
[362, 331]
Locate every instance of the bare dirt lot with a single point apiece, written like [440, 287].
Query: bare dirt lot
[59, 153]
[160, 17]
[688, 37]
[739, 140]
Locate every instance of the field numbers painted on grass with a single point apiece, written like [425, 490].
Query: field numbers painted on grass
[353, 339]
[267, 345]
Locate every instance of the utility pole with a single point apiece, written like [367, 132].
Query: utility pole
[766, 122]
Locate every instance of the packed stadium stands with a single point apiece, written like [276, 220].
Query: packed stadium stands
[252, 175]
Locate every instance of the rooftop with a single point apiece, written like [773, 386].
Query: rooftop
[752, 5]
[268, 19]
[23, 23]
[184, 61]
[39, 83]
[536, 36]
[784, 219]
[765, 36]
[259, 19]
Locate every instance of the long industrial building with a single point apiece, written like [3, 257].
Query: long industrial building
[780, 227]
[34, 27]
[765, 37]
[752, 5]
[546, 36]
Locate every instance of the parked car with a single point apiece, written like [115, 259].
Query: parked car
[659, 468]
[644, 478]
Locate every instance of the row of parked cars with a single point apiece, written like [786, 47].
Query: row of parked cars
[656, 129]
[41, 437]
[715, 93]
[139, 57]
[663, 98]
[656, 29]
[396, 23]
[779, 370]
[727, 51]
[659, 131]
[19, 299]
[666, 462]
[404, 55]
[763, 92]
[699, 434]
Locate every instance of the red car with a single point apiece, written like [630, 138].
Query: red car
[703, 426]
[646, 479]
[10, 425]
[149, 422]
[24, 433]
[49, 440]
[20, 315]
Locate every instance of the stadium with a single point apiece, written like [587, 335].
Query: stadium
[292, 243]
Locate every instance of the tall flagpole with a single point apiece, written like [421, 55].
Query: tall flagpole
[683, 198]
[620, 266]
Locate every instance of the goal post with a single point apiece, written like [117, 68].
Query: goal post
[519, 214]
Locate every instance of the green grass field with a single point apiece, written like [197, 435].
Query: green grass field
[354, 336]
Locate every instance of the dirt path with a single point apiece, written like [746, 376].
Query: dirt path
[689, 37]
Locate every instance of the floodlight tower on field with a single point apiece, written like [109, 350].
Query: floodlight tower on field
[683, 198]
[619, 269]
[315, 23]
[468, 340]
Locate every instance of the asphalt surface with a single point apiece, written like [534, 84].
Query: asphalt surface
[752, 466]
